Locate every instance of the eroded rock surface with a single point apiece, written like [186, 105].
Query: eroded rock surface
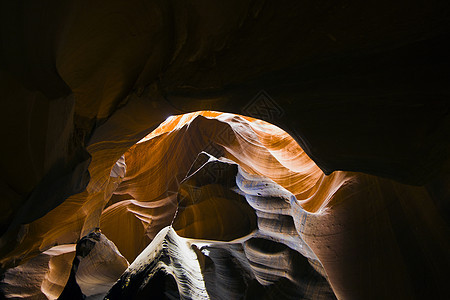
[361, 87]
[247, 207]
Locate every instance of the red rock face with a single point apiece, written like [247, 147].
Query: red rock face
[234, 189]
[341, 109]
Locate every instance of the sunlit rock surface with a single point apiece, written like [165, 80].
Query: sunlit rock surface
[239, 211]
[264, 258]
[44, 275]
[95, 268]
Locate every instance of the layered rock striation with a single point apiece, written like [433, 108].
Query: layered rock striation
[358, 97]
[219, 206]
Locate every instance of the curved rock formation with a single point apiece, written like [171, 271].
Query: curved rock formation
[264, 207]
[357, 170]
[95, 268]
[45, 274]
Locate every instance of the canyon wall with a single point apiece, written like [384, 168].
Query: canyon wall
[357, 156]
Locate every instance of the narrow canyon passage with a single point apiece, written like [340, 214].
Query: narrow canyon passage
[221, 206]
[245, 149]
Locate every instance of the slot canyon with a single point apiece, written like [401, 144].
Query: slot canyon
[253, 149]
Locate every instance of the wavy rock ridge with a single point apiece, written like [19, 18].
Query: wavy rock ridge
[220, 206]
[269, 259]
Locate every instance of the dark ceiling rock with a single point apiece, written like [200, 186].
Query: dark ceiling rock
[362, 87]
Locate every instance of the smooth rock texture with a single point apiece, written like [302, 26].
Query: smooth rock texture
[42, 277]
[95, 268]
[267, 194]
